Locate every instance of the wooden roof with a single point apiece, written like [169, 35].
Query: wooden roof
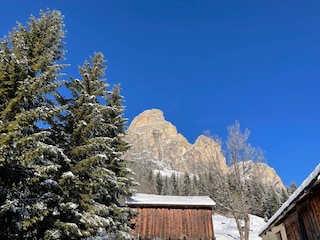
[152, 200]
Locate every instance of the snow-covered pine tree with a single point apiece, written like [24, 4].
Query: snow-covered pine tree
[165, 190]
[174, 185]
[195, 185]
[30, 162]
[159, 183]
[98, 181]
[273, 197]
[186, 185]
[125, 181]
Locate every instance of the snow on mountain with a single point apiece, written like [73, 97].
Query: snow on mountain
[225, 227]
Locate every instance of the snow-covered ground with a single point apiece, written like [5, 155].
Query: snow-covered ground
[225, 228]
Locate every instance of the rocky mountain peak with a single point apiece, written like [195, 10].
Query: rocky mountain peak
[152, 116]
[204, 152]
[269, 175]
[259, 170]
[157, 142]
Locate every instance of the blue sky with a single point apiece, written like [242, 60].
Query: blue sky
[206, 64]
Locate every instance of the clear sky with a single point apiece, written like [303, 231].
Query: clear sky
[206, 64]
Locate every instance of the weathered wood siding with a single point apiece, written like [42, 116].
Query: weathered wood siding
[304, 222]
[300, 214]
[292, 227]
[173, 223]
[311, 216]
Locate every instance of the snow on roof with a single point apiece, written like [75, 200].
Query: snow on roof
[288, 205]
[152, 199]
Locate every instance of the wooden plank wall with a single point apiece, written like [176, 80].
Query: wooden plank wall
[167, 223]
[311, 216]
[292, 228]
[305, 221]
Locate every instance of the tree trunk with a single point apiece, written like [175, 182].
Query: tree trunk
[246, 227]
[242, 229]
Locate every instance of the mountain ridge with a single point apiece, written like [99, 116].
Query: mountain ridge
[155, 140]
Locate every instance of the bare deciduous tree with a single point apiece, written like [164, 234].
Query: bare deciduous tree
[232, 190]
[243, 170]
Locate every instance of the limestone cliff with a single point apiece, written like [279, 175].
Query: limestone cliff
[205, 154]
[268, 174]
[261, 171]
[157, 142]
[153, 139]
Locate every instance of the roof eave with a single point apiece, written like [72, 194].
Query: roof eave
[312, 180]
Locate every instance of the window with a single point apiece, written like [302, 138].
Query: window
[278, 235]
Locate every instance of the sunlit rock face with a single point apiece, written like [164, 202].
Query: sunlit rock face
[156, 141]
[205, 155]
[269, 175]
[259, 171]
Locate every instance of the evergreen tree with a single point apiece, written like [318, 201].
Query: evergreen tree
[186, 185]
[195, 185]
[174, 187]
[63, 176]
[159, 183]
[165, 190]
[271, 201]
[98, 182]
[202, 186]
[293, 187]
[30, 162]
[150, 184]
[256, 190]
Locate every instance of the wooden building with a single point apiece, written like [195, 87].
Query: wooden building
[172, 217]
[298, 217]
